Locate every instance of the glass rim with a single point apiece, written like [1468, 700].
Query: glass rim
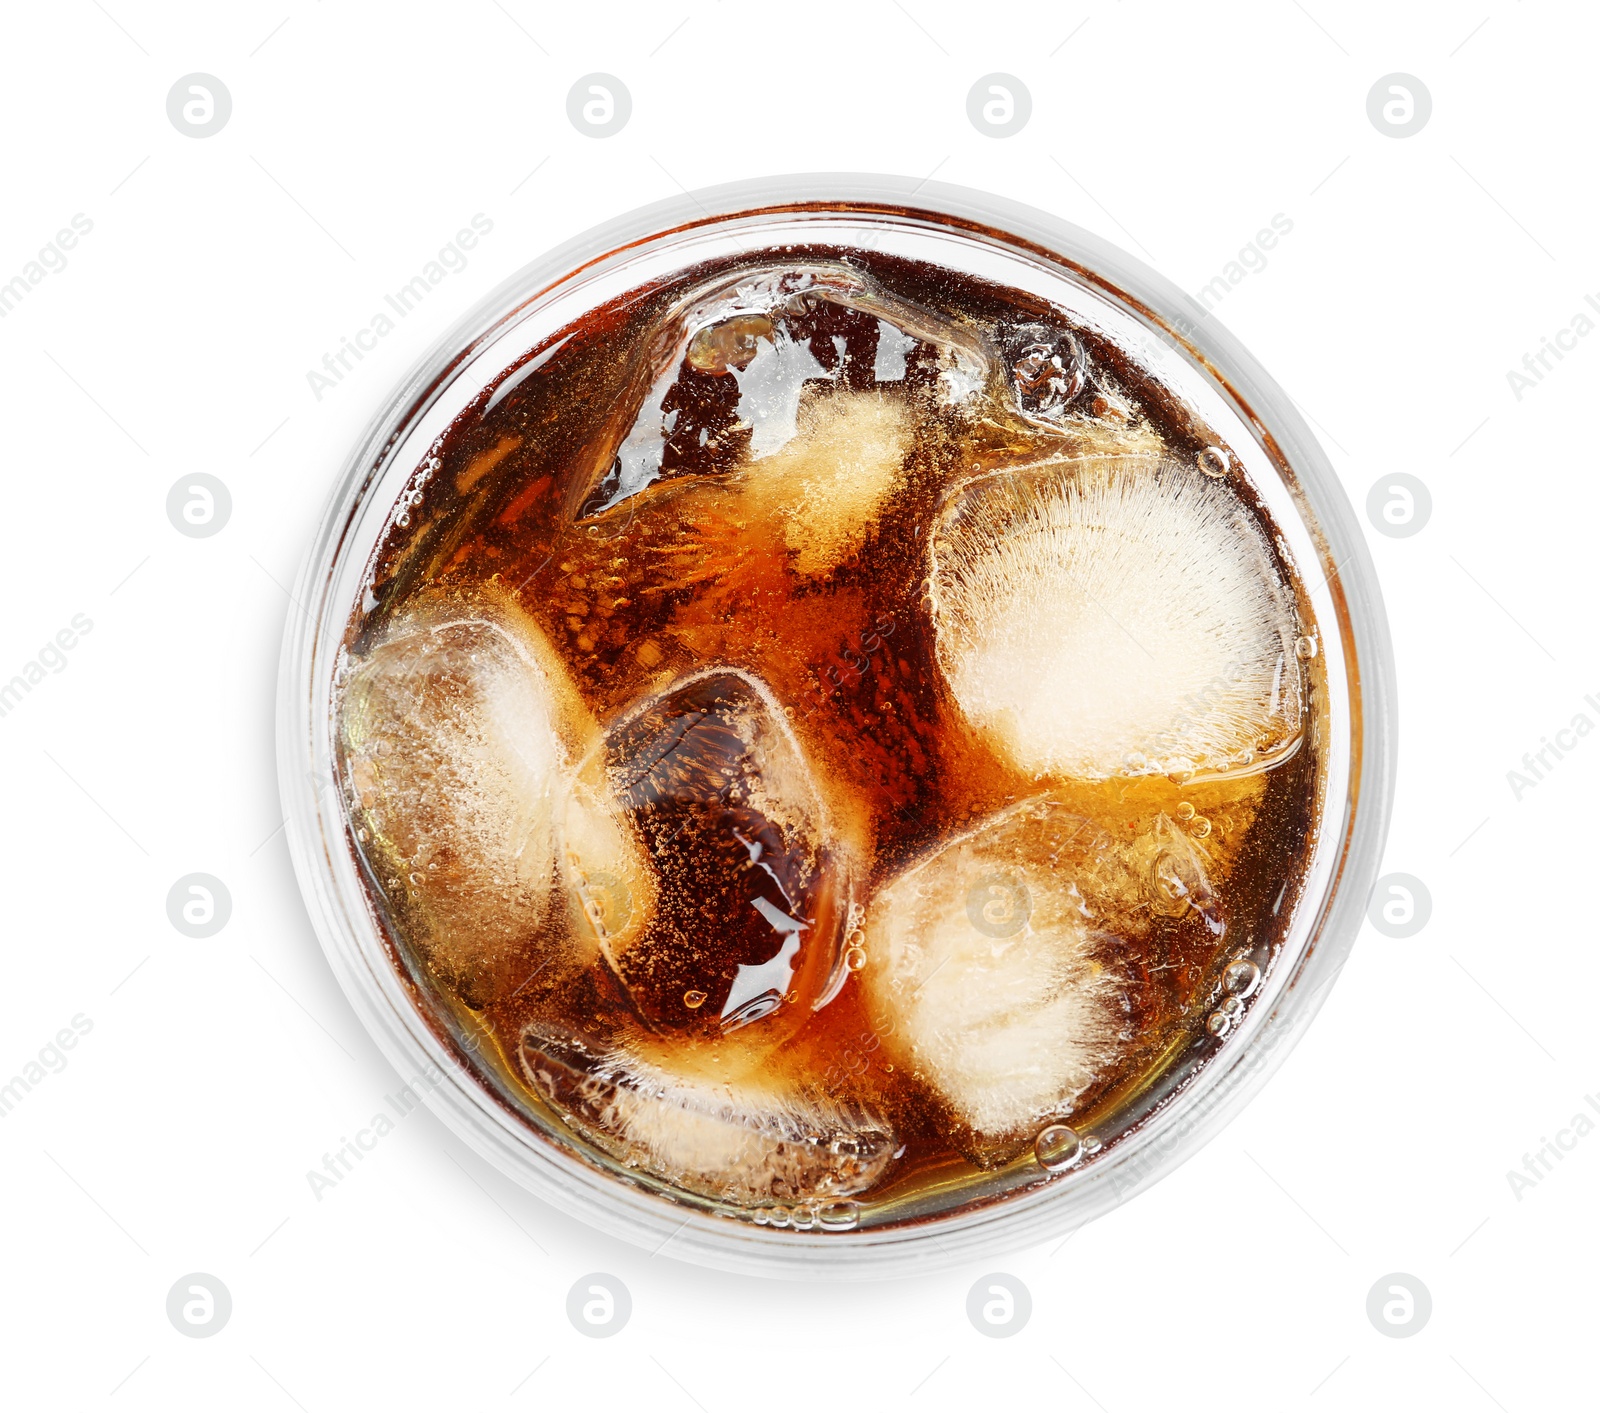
[382, 997]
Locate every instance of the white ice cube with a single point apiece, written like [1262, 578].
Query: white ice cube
[457, 727]
[1115, 617]
[717, 1125]
[992, 976]
[831, 481]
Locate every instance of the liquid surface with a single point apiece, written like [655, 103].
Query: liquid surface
[835, 739]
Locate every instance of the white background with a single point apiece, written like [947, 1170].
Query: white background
[177, 340]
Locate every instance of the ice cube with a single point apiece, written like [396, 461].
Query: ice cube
[828, 484]
[732, 365]
[1115, 617]
[456, 730]
[992, 968]
[1048, 371]
[748, 891]
[713, 1125]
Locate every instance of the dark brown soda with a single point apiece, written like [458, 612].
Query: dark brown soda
[679, 578]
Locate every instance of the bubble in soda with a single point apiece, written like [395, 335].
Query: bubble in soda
[834, 734]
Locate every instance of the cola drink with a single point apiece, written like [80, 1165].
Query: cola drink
[835, 736]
